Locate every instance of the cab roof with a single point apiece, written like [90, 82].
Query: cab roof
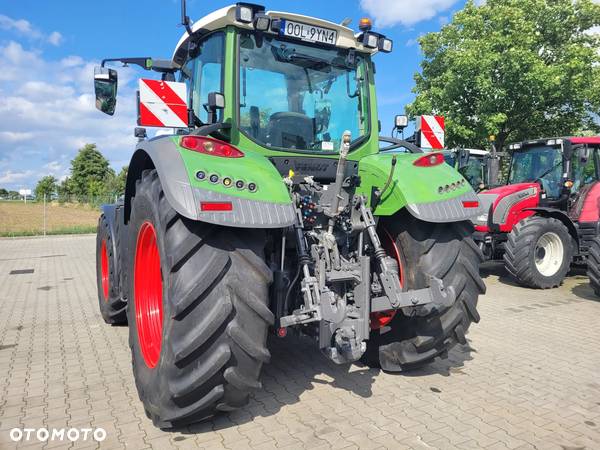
[591, 140]
[223, 17]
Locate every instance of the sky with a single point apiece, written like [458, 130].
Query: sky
[48, 50]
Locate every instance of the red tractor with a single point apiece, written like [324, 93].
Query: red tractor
[547, 214]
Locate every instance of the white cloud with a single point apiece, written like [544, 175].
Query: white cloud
[9, 177]
[388, 13]
[55, 38]
[25, 28]
[21, 25]
[47, 113]
[11, 136]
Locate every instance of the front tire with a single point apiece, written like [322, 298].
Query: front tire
[538, 252]
[445, 251]
[112, 307]
[593, 265]
[200, 349]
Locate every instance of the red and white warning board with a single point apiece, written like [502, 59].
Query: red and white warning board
[162, 104]
[431, 130]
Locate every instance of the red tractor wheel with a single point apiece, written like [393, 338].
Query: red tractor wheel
[148, 289]
[538, 252]
[198, 314]
[445, 251]
[112, 306]
[593, 265]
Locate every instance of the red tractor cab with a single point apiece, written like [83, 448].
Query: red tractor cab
[547, 214]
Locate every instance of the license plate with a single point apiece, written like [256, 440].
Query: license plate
[308, 33]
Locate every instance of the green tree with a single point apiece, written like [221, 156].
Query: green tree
[116, 184]
[13, 195]
[46, 186]
[65, 189]
[87, 169]
[514, 69]
[97, 188]
[3, 193]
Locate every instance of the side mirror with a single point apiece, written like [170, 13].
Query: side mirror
[586, 153]
[463, 158]
[216, 102]
[105, 88]
[400, 122]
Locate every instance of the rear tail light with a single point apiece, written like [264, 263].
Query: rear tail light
[470, 204]
[381, 319]
[430, 160]
[216, 206]
[210, 146]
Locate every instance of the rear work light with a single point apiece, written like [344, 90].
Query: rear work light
[430, 160]
[210, 146]
[470, 204]
[216, 206]
[386, 45]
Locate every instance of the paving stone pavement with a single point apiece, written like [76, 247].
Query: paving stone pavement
[529, 378]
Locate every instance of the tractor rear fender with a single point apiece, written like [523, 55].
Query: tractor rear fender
[436, 193]
[559, 215]
[268, 207]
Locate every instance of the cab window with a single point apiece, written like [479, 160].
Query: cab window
[583, 165]
[203, 73]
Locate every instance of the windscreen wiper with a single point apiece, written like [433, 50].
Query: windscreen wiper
[292, 56]
[539, 177]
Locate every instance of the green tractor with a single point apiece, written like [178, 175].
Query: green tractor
[270, 209]
[472, 164]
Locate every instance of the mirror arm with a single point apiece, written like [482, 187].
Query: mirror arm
[147, 63]
[142, 62]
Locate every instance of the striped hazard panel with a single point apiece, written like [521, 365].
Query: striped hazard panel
[162, 104]
[432, 129]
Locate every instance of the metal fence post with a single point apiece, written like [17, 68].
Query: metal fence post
[44, 215]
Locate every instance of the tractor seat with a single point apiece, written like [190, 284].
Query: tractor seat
[290, 130]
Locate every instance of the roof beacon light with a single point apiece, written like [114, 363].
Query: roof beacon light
[386, 45]
[244, 12]
[365, 24]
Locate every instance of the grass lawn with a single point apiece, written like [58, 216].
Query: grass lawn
[20, 219]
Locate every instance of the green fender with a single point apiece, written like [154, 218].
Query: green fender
[268, 206]
[422, 190]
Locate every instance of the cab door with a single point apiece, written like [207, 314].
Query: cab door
[585, 191]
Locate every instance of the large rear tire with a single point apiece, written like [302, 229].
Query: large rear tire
[445, 251]
[538, 252]
[593, 265]
[197, 313]
[112, 307]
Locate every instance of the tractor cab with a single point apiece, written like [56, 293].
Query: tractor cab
[266, 81]
[561, 167]
[548, 179]
[473, 164]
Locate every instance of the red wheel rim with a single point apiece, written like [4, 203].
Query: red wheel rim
[104, 269]
[148, 294]
[382, 318]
